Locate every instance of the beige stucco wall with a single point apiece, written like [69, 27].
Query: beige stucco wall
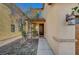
[5, 23]
[56, 26]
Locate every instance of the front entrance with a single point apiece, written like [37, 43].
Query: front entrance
[41, 29]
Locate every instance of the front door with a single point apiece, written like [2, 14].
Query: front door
[77, 38]
[41, 29]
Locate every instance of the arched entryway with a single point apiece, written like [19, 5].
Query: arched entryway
[38, 24]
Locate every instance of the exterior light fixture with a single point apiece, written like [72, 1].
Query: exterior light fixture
[70, 19]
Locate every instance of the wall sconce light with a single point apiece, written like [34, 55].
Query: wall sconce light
[70, 19]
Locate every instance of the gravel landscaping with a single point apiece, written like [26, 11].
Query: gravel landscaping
[20, 47]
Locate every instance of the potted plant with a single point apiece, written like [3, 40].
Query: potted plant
[35, 33]
[24, 34]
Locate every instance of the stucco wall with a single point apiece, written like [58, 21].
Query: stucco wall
[5, 23]
[56, 27]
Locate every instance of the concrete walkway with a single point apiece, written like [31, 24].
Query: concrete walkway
[43, 47]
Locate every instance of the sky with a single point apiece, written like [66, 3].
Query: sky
[24, 6]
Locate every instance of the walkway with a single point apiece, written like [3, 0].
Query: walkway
[11, 46]
[43, 48]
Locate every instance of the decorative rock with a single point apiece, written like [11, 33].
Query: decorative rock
[20, 48]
